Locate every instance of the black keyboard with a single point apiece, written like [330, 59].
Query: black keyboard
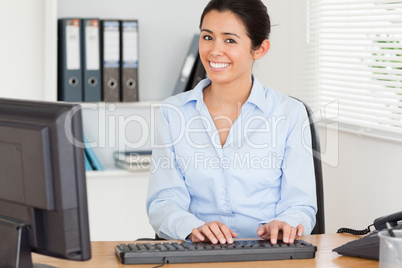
[186, 252]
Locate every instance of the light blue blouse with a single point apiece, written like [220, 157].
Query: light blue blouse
[263, 172]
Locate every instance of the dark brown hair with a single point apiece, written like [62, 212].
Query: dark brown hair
[253, 14]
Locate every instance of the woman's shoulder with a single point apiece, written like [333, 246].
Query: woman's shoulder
[282, 98]
[282, 102]
[177, 99]
[272, 98]
[182, 98]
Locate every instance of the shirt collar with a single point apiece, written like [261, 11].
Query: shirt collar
[196, 93]
[257, 94]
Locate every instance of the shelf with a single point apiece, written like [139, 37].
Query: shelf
[112, 173]
[139, 104]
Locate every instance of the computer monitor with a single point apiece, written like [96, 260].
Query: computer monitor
[43, 200]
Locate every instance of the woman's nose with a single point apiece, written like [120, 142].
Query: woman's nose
[216, 49]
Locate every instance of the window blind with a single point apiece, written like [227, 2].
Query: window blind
[358, 61]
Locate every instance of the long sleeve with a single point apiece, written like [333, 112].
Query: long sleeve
[168, 198]
[298, 204]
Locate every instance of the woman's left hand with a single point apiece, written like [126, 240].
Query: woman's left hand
[275, 230]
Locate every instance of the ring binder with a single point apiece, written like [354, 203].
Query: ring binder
[69, 60]
[188, 69]
[90, 39]
[129, 60]
[111, 60]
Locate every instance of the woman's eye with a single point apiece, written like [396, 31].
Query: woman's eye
[230, 41]
[207, 38]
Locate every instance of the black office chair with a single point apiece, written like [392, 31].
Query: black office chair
[319, 227]
[316, 148]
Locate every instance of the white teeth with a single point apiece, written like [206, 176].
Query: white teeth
[218, 65]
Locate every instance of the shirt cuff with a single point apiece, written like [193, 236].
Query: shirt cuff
[188, 226]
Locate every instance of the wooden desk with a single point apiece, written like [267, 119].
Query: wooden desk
[103, 256]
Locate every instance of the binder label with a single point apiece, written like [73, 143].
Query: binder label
[92, 44]
[130, 44]
[111, 51]
[73, 44]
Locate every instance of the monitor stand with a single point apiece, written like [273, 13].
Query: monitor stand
[15, 251]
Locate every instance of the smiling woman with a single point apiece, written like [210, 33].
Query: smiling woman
[227, 55]
[253, 176]
[225, 46]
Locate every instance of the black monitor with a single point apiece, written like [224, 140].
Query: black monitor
[43, 200]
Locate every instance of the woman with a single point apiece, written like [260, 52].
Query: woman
[229, 158]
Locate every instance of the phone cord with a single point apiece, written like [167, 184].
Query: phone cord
[355, 232]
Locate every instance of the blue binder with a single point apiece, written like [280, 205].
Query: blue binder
[92, 158]
[91, 65]
[88, 165]
[69, 61]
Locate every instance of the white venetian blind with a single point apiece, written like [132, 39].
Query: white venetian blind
[359, 61]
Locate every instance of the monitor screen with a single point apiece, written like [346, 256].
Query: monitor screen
[43, 201]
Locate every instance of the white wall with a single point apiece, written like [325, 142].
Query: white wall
[274, 69]
[28, 49]
[366, 181]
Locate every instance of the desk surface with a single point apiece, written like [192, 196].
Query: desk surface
[103, 256]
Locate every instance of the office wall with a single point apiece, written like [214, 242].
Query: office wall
[366, 182]
[28, 49]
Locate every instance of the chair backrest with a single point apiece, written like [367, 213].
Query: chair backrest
[316, 148]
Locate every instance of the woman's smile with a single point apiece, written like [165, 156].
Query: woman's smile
[218, 66]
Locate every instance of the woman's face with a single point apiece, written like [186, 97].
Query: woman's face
[225, 48]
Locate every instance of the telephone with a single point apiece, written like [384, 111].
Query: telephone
[368, 246]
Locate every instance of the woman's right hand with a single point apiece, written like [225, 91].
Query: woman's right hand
[213, 231]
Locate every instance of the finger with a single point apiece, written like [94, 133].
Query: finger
[205, 230]
[300, 230]
[234, 234]
[261, 230]
[274, 230]
[286, 229]
[226, 233]
[217, 231]
[292, 235]
[196, 236]
[265, 234]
